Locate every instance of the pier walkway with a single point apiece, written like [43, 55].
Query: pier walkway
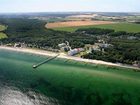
[47, 60]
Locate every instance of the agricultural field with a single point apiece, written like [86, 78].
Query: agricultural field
[76, 23]
[51, 20]
[128, 27]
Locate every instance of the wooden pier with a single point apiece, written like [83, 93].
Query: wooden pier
[41, 63]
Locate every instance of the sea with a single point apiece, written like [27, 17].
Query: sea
[20, 84]
[64, 82]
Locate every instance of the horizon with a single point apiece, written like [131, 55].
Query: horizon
[35, 6]
[65, 12]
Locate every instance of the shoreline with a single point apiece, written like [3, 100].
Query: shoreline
[64, 56]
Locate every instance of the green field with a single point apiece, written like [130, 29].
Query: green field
[2, 27]
[2, 35]
[128, 27]
[55, 19]
[71, 82]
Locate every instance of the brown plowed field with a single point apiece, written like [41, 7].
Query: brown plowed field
[76, 23]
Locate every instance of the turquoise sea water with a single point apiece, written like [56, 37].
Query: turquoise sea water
[62, 82]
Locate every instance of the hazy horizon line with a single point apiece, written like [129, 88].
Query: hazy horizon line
[67, 12]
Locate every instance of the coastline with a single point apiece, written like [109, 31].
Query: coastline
[64, 56]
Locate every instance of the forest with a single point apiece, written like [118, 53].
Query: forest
[33, 33]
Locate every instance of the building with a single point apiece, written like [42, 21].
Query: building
[103, 45]
[64, 47]
[20, 45]
[136, 64]
[75, 51]
[97, 47]
[89, 48]
[132, 38]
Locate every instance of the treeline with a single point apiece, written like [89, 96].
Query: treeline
[95, 31]
[123, 33]
[34, 34]
[109, 32]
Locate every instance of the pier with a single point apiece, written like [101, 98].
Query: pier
[41, 63]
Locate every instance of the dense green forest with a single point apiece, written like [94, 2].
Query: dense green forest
[32, 31]
[108, 32]
[95, 31]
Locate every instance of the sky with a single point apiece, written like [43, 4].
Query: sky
[9, 6]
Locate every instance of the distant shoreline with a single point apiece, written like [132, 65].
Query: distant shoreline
[64, 56]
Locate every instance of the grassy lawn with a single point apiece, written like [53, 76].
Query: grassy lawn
[55, 19]
[2, 35]
[2, 27]
[129, 27]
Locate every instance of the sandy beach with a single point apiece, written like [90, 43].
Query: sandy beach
[64, 56]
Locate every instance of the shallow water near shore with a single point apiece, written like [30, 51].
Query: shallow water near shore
[63, 82]
[16, 79]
